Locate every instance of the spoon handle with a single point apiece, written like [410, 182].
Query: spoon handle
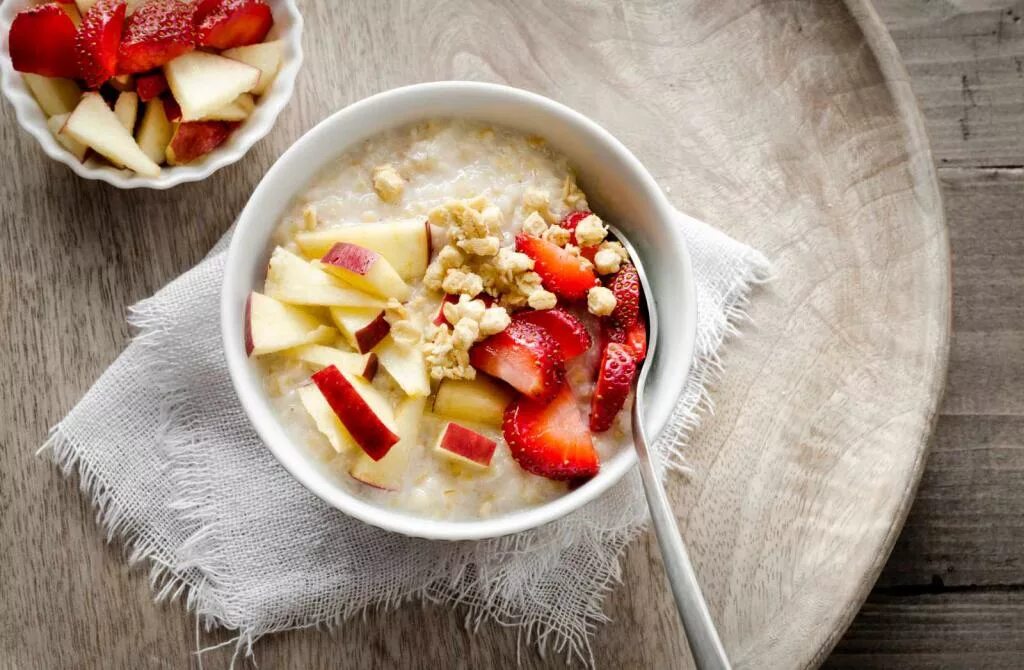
[705, 645]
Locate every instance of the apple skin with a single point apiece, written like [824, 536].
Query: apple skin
[372, 333]
[352, 257]
[430, 242]
[249, 346]
[372, 365]
[193, 139]
[465, 445]
[366, 428]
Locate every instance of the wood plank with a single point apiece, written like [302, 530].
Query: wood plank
[918, 631]
[966, 62]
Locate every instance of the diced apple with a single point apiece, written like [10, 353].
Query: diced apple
[84, 5]
[465, 446]
[155, 131]
[388, 472]
[363, 328]
[96, 126]
[54, 95]
[127, 109]
[364, 365]
[203, 82]
[365, 269]
[123, 82]
[327, 422]
[266, 57]
[295, 280]
[406, 366]
[238, 109]
[271, 326]
[477, 400]
[72, 11]
[405, 243]
[195, 139]
[55, 123]
[365, 413]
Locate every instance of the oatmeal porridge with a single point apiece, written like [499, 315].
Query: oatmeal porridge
[447, 326]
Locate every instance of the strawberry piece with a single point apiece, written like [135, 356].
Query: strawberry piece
[148, 86]
[42, 41]
[549, 438]
[171, 108]
[158, 31]
[97, 41]
[570, 333]
[194, 139]
[633, 336]
[614, 379]
[625, 285]
[224, 24]
[524, 356]
[560, 271]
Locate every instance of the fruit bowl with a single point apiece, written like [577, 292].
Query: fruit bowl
[287, 28]
[618, 187]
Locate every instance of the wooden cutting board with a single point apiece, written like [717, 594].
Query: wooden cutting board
[790, 125]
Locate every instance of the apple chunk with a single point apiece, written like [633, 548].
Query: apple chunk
[54, 95]
[237, 110]
[406, 366]
[195, 139]
[465, 446]
[266, 57]
[365, 269]
[203, 82]
[388, 472]
[271, 326]
[55, 123]
[364, 412]
[405, 243]
[363, 328]
[96, 126]
[126, 109]
[155, 131]
[327, 422]
[295, 280]
[479, 400]
[364, 365]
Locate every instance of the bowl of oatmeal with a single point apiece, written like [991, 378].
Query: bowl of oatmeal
[430, 326]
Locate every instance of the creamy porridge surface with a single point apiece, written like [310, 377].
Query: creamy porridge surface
[428, 165]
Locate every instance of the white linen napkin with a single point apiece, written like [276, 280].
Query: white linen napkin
[167, 455]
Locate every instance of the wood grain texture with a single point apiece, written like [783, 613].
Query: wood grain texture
[772, 120]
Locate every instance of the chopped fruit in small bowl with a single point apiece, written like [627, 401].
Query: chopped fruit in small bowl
[149, 93]
[431, 327]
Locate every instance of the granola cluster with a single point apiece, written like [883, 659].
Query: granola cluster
[447, 346]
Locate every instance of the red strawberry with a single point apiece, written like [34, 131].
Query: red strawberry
[625, 285]
[97, 41]
[634, 336]
[158, 31]
[524, 356]
[560, 271]
[42, 41]
[570, 333]
[193, 139]
[614, 379]
[224, 24]
[549, 438]
[569, 222]
[148, 86]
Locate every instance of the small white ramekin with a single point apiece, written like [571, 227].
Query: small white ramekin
[617, 186]
[287, 27]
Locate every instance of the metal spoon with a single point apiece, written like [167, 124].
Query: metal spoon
[705, 645]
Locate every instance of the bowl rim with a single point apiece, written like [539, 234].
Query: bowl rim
[282, 445]
[31, 118]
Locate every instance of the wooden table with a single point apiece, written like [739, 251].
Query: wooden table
[76, 254]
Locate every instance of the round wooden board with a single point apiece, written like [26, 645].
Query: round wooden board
[790, 125]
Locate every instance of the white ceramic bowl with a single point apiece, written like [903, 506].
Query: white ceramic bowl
[617, 186]
[287, 27]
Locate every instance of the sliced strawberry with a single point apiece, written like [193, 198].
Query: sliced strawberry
[549, 438]
[524, 356]
[224, 24]
[42, 41]
[148, 86]
[157, 32]
[633, 336]
[97, 41]
[614, 379]
[625, 285]
[171, 108]
[560, 271]
[570, 333]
